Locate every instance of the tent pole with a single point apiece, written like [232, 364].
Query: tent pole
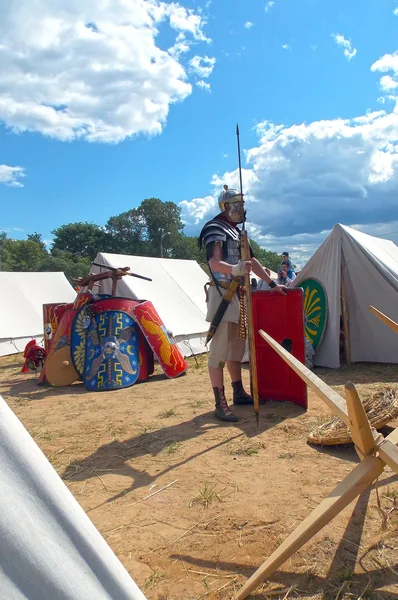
[346, 328]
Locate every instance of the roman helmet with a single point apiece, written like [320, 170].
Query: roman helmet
[235, 201]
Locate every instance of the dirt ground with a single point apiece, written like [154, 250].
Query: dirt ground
[235, 491]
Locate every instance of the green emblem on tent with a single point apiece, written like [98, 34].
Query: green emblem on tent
[315, 310]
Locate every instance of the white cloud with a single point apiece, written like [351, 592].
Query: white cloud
[93, 70]
[269, 5]
[248, 24]
[388, 62]
[11, 175]
[202, 65]
[300, 180]
[286, 47]
[396, 12]
[349, 51]
[204, 85]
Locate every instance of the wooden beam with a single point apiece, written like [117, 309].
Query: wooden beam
[375, 452]
[361, 431]
[392, 324]
[388, 450]
[346, 324]
[329, 396]
[352, 486]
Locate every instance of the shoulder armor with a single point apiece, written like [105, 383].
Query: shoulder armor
[218, 230]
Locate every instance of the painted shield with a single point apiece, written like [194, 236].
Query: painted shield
[60, 341]
[111, 351]
[315, 310]
[82, 322]
[160, 340]
[50, 323]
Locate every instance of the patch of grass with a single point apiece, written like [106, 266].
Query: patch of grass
[245, 447]
[287, 455]
[197, 403]
[391, 493]
[205, 496]
[173, 447]
[167, 414]
[154, 579]
[345, 574]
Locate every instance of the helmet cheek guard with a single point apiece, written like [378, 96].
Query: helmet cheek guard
[234, 199]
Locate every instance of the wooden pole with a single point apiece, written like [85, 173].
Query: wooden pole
[346, 324]
[384, 318]
[375, 452]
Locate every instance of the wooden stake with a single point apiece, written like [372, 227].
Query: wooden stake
[352, 486]
[375, 451]
[345, 320]
[361, 431]
[384, 318]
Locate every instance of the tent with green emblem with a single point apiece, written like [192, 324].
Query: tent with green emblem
[349, 272]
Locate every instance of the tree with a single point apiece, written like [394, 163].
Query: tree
[267, 258]
[81, 239]
[186, 247]
[21, 255]
[37, 237]
[126, 232]
[73, 266]
[148, 230]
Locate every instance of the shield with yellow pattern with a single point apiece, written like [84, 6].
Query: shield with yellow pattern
[160, 340]
[315, 310]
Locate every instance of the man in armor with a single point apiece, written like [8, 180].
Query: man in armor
[221, 237]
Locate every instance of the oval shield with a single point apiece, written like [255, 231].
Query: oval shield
[315, 310]
[111, 351]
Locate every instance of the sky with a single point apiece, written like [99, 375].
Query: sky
[104, 103]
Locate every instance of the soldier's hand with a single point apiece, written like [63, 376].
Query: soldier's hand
[280, 289]
[243, 267]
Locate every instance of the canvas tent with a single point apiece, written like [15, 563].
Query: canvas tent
[49, 550]
[364, 269]
[176, 291]
[21, 306]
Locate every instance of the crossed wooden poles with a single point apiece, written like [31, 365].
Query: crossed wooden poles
[373, 449]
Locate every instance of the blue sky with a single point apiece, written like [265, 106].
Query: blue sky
[89, 127]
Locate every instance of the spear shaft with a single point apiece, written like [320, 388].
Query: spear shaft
[252, 348]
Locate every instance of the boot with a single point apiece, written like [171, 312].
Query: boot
[222, 410]
[240, 396]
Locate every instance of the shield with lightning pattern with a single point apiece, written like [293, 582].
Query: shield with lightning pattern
[111, 351]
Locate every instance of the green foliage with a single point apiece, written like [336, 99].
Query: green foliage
[81, 239]
[154, 228]
[72, 265]
[269, 259]
[21, 255]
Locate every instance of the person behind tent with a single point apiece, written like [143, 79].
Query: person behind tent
[221, 238]
[286, 276]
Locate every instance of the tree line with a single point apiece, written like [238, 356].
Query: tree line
[154, 228]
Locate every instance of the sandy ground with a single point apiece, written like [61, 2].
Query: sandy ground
[235, 491]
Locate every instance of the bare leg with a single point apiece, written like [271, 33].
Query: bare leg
[216, 377]
[235, 370]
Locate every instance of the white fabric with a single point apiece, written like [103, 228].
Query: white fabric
[370, 272]
[176, 291]
[21, 306]
[49, 548]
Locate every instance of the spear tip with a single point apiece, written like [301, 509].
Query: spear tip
[237, 129]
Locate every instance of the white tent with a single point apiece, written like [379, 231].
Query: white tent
[176, 291]
[49, 548]
[368, 269]
[21, 306]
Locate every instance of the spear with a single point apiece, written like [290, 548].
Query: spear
[252, 348]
